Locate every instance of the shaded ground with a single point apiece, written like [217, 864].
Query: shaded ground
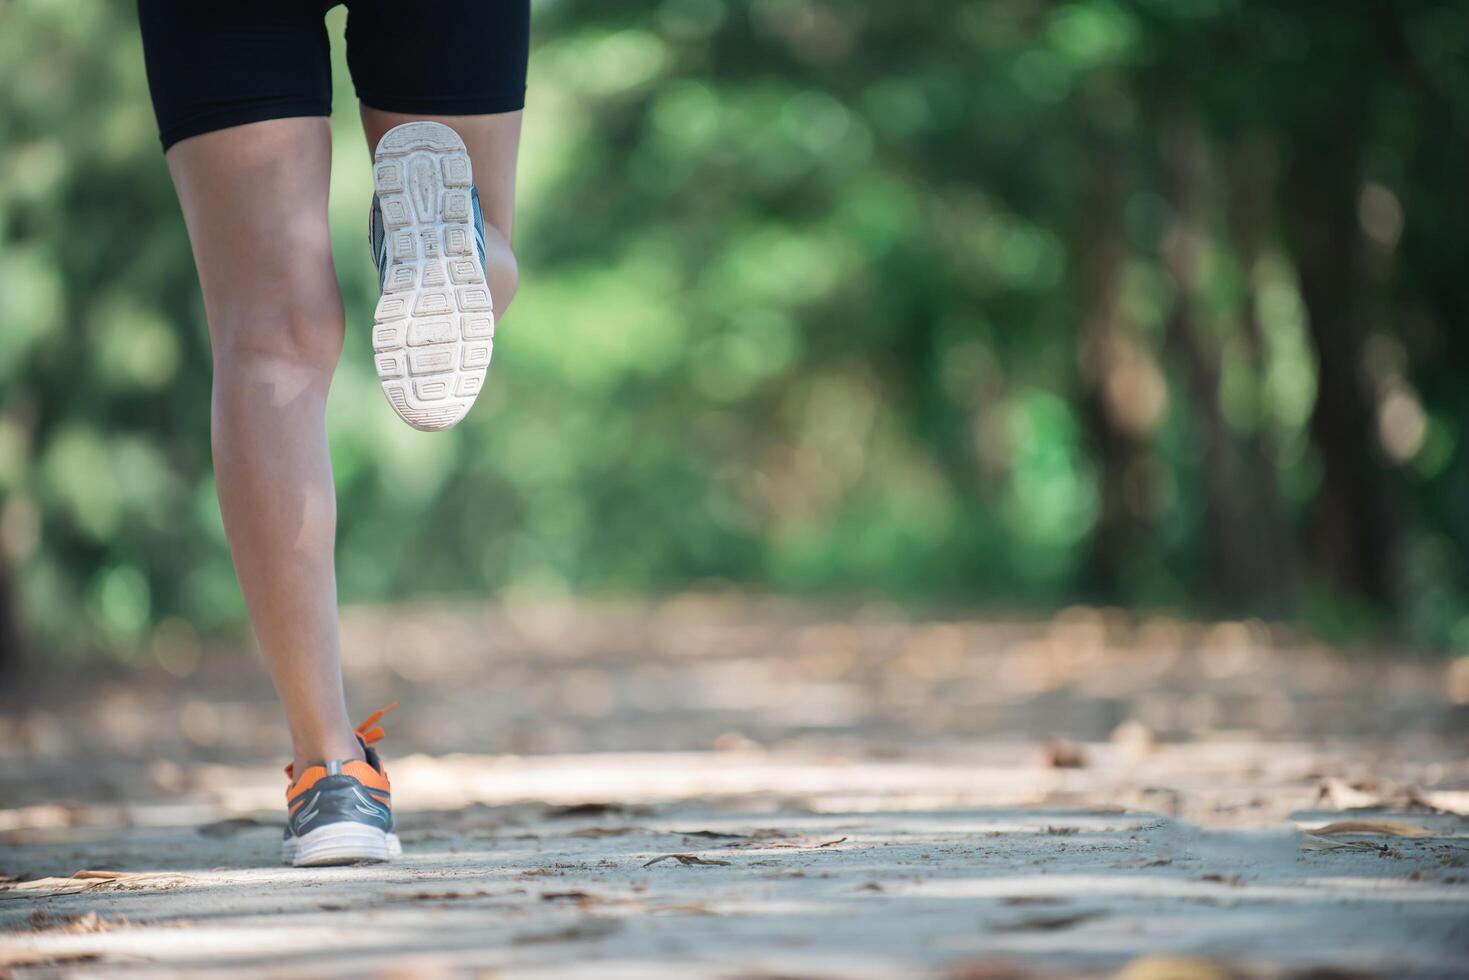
[842, 793]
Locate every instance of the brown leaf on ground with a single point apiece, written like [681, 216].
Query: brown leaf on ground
[1234, 881]
[1343, 795]
[1143, 863]
[89, 881]
[1311, 842]
[39, 957]
[577, 896]
[1386, 828]
[1062, 754]
[752, 839]
[1032, 900]
[90, 922]
[1447, 800]
[1049, 923]
[434, 896]
[684, 859]
[594, 810]
[40, 887]
[585, 929]
[602, 831]
[229, 827]
[831, 843]
[1369, 794]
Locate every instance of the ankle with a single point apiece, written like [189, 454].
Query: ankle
[320, 753]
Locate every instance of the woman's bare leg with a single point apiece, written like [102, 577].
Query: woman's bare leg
[255, 201]
[493, 142]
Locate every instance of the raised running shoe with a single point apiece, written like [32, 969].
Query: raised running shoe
[433, 330]
[341, 812]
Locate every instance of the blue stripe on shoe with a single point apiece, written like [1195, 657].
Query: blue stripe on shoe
[377, 240]
[479, 229]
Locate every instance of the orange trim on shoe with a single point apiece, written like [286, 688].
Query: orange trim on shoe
[367, 776]
[308, 779]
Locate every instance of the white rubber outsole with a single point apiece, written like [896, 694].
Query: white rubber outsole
[340, 843]
[434, 328]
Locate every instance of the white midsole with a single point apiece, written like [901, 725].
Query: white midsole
[340, 843]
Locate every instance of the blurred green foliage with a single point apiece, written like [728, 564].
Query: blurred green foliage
[1156, 302]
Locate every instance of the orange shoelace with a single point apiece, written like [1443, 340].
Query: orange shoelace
[369, 731]
[366, 731]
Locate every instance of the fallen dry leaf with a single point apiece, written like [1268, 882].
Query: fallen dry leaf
[37, 957]
[432, 896]
[89, 922]
[1062, 754]
[89, 881]
[1343, 795]
[585, 929]
[1387, 828]
[1447, 800]
[37, 887]
[831, 843]
[1311, 842]
[1370, 795]
[593, 810]
[1032, 900]
[753, 839]
[1048, 923]
[683, 859]
[577, 896]
[602, 832]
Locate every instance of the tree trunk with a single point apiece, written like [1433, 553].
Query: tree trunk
[1104, 248]
[1243, 552]
[1354, 534]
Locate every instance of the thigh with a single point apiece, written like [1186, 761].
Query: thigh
[214, 65]
[459, 62]
[439, 57]
[254, 199]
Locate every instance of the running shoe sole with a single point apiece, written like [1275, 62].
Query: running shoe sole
[340, 843]
[433, 330]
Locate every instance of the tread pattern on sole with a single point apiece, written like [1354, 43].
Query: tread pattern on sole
[434, 327]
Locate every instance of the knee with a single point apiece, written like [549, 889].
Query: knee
[296, 326]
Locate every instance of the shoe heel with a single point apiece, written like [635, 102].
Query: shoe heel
[341, 843]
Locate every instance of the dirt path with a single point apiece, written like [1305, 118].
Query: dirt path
[642, 795]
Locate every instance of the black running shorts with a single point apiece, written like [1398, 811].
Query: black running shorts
[212, 64]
